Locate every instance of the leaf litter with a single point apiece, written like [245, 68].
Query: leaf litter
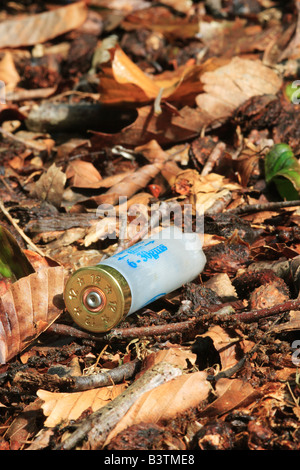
[162, 103]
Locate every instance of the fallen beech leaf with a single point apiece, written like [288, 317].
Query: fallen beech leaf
[152, 151]
[161, 20]
[59, 407]
[242, 79]
[124, 6]
[50, 186]
[24, 426]
[176, 356]
[229, 344]
[29, 306]
[186, 391]
[83, 174]
[36, 29]
[204, 190]
[122, 81]
[231, 393]
[130, 184]
[8, 72]
[222, 285]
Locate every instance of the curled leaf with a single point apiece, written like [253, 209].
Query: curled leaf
[28, 307]
[282, 169]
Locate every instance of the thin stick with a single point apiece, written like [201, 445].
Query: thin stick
[268, 206]
[123, 333]
[255, 315]
[213, 158]
[23, 235]
[34, 381]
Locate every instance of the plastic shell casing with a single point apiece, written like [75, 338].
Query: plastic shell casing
[133, 278]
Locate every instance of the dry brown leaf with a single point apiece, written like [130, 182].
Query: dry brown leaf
[64, 407]
[229, 344]
[222, 285]
[161, 20]
[131, 184]
[205, 190]
[152, 151]
[122, 81]
[83, 174]
[27, 309]
[24, 426]
[241, 79]
[126, 6]
[36, 29]
[8, 72]
[231, 393]
[176, 356]
[50, 186]
[292, 51]
[166, 401]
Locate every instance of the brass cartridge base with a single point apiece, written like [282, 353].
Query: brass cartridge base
[97, 298]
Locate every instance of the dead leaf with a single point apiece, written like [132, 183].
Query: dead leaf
[242, 79]
[186, 391]
[24, 426]
[162, 20]
[130, 184]
[122, 81]
[50, 186]
[64, 407]
[231, 393]
[222, 285]
[176, 356]
[229, 344]
[8, 72]
[39, 28]
[27, 309]
[83, 174]
[204, 190]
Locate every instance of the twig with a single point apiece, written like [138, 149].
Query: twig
[99, 424]
[123, 333]
[213, 158]
[23, 235]
[33, 381]
[268, 206]
[255, 315]
[156, 330]
[16, 139]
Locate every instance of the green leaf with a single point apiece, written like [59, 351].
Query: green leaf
[283, 169]
[13, 262]
[292, 92]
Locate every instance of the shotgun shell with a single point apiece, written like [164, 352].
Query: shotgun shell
[99, 297]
